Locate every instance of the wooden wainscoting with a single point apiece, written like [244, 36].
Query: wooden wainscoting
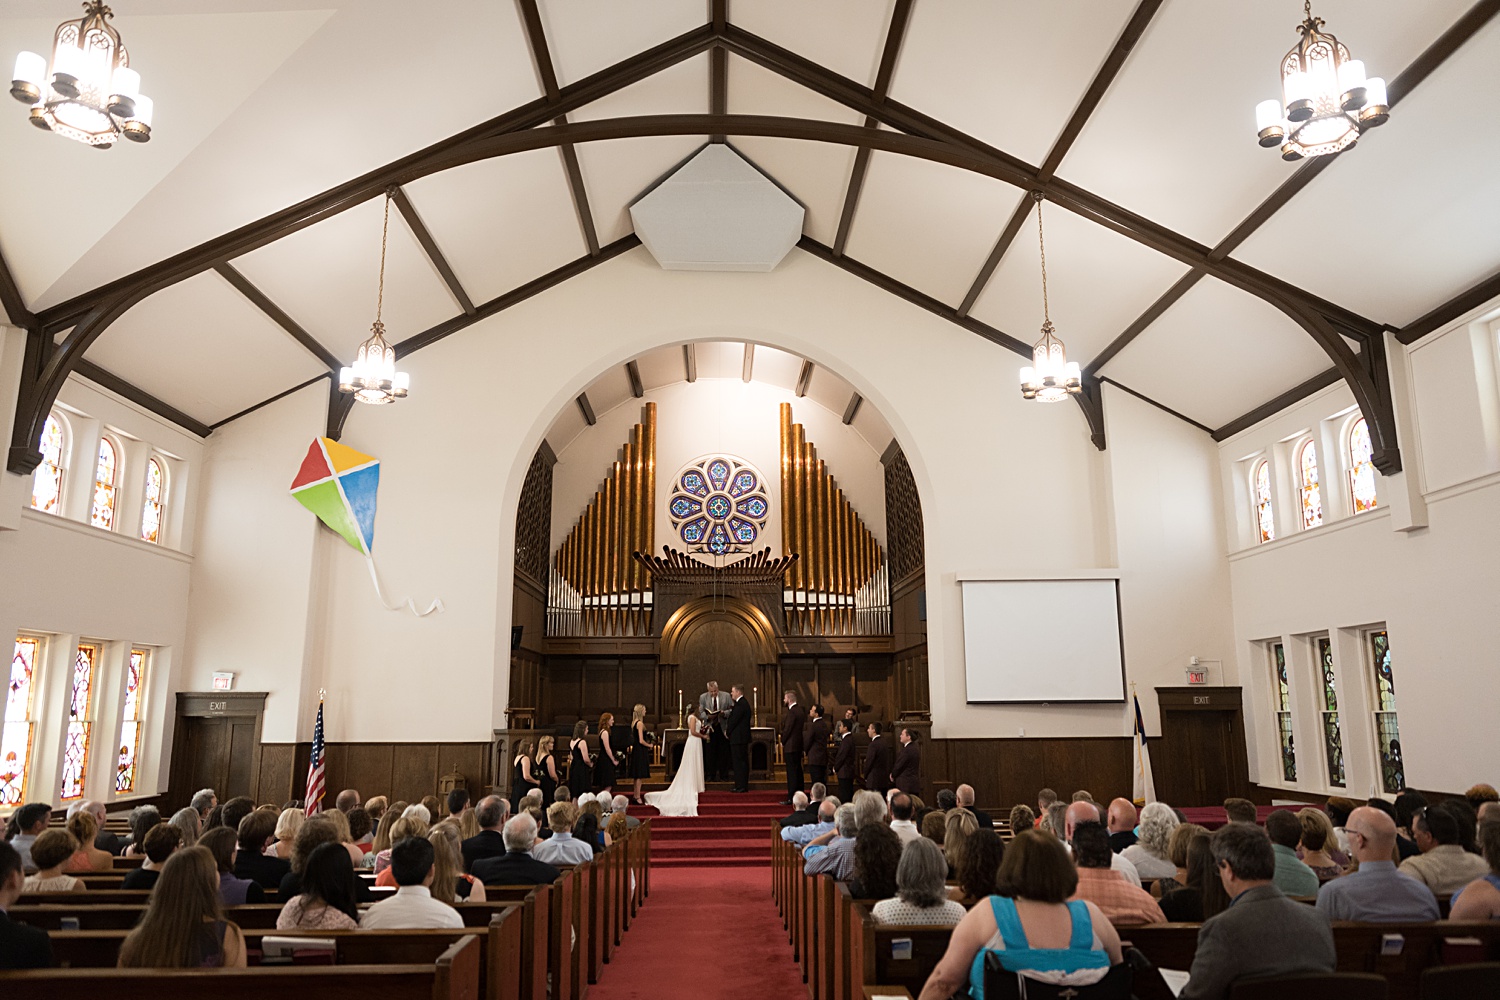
[398, 770]
[1007, 772]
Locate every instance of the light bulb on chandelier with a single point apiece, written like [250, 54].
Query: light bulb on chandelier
[373, 377]
[92, 95]
[1051, 377]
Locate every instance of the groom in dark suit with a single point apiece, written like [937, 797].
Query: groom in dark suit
[878, 760]
[737, 727]
[793, 730]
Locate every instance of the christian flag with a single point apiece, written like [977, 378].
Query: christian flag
[315, 767]
[1145, 786]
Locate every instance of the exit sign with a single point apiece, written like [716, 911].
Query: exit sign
[1197, 675]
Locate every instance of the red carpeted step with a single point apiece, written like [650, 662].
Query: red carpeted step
[730, 829]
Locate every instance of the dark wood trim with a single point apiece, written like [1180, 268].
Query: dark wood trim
[633, 373]
[852, 409]
[429, 246]
[1449, 42]
[1160, 406]
[803, 378]
[586, 408]
[541, 52]
[1295, 394]
[1451, 310]
[580, 196]
[690, 361]
[718, 66]
[11, 300]
[1145, 319]
[140, 397]
[747, 367]
[997, 253]
[340, 405]
[268, 401]
[263, 302]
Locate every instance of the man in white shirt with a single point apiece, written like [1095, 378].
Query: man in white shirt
[1088, 812]
[561, 848]
[902, 824]
[808, 832]
[412, 906]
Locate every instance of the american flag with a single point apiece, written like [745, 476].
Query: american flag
[315, 767]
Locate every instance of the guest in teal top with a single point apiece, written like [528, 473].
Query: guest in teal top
[1030, 925]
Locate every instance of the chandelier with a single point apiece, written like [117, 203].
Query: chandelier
[374, 378]
[92, 95]
[1326, 99]
[1051, 377]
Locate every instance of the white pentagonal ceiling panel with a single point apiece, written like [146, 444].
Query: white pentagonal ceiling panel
[845, 36]
[619, 171]
[586, 36]
[501, 222]
[928, 224]
[1097, 283]
[1217, 353]
[326, 277]
[202, 347]
[1394, 227]
[1174, 138]
[1007, 73]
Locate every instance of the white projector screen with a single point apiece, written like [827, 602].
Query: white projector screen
[1043, 641]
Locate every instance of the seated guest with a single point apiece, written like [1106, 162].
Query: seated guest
[1055, 821]
[1293, 877]
[1443, 866]
[376, 807]
[51, 852]
[313, 834]
[965, 795]
[30, 820]
[433, 807]
[382, 839]
[1088, 812]
[105, 840]
[981, 866]
[561, 848]
[1121, 824]
[1317, 846]
[235, 811]
[21, 947]
[934, 825]
[1262, 933]
[803, 811]
[1338, 809]
[1481, 793]
[617, 828]
[1489, 813]
[1202, 893]
[340, 821]
[1030, 925]
[1045, 799]
[1150, 853]
[877, 853]
[516, 866]
[586, 831]
[1480, 899]
[410, 824]
[142, 820]
[204, 800]
[458, 804]
[620, 805]
[346, 800]
[1239, 810]
[488, 842]
[413, 862]
[1408, 804]
[361, 830]
[89, 857]
[1021, 818]
[184, 926]
[1119, 901]
[1083, 795]
[836, 857]
[1375, 892]
[326, 900]
[222, 843]
[807, 833]
[256, 831]
[921, 892]
[901, 818]
[190, 823]
[161, 841]
[960, 827]
[287, 825]
[452, 884]
[946, 799]
[1177, 848]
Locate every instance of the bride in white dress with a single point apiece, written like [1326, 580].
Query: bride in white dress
[681, 797]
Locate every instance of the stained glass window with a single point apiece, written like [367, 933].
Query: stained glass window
[18, 731]
[130, 729]
[156, 500]
[719, 505]
[102, 514]
[80, 722]
[47, 480]
[1333, 738]
[1387, 735]
[1361, 468]
[1283, 712]
[1307, 473]
[1263, 516]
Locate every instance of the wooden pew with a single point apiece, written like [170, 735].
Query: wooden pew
[878, 964]
[536, 904]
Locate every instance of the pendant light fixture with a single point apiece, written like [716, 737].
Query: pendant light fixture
[1327, 101]
[373, 379]
[92, 95]
[1050, 378]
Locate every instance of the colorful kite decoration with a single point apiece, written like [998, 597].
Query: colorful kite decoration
[339, 485]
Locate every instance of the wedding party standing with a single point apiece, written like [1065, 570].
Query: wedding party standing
[738, 725]
[640, 752]
[608, 762]
[525, 780]
[793, 724]
[817, 745]
[712, 706]
[681, 797]
[544, 768]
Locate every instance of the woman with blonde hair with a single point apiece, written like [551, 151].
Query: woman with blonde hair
[50, 852]
[382, 841]
[287, 825]
[406, 826]
[1151, 855]
[1177, 850]
[617, 827]
[184, 926]
[607, 762]
[346, 836]
[639, 747]
[450, 884]
[544, 768]
[85, 827]
[1317, 835]
[960, 826]
[522, 782]
[376, 807]
[580, 761]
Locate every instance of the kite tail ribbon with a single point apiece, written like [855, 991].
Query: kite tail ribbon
[408, 603]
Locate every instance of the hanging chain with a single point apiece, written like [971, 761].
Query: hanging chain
[1042, 242]
[384, 232]
[1307, 9]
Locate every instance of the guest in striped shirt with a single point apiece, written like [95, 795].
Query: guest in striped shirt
[1124, 904]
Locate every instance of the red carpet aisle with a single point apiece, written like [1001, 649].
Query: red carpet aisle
[729, 830]
[704, 934]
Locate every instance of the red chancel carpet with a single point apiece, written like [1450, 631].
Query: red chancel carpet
[704, 934]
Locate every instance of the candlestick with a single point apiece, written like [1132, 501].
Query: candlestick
[680, 720]
[755, 706]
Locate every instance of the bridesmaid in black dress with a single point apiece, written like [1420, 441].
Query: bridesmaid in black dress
[523, 781]
[580, 764]
[640, 752]
[544, 768]
[607, 760]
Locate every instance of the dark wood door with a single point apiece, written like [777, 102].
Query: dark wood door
[218, 753]
[1200, 759]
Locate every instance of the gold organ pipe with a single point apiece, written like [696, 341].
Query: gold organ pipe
[631, 512]
[825, 543]
[799, 506]
[846, 543]
[810, 512]
[838, 539]
[648, 514]
[786, 473]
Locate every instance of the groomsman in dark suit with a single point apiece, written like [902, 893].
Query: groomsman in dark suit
[843, 760]
[817, 745]
[793, 743]
[906, 772]
[878, 760]
[737, 727]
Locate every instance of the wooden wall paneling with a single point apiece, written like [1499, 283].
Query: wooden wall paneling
[601, 680]
[469, 759]
[1110, 766]
[367, 767]
[414, 772]
[275, 782]
[335, 771]
[796, 675]
[872, 686]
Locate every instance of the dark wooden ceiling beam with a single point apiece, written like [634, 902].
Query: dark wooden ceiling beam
[1145, 319]
[747, 367]
[429, 246]
[140, 397]
[804, 377]
[1156, 403]
[277, 315]
[690, 362]
[586, 408]
[894, 35]
[633, 373]
[11, 300]
[852, 410]
[718, 66]
[1451, 310]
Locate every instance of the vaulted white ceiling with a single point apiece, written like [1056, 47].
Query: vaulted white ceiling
[263, 103]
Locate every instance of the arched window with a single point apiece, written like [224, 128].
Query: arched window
[1361, 468]
[1264, 519]
[47, 480]
[102, 514]
[1307, 475]
[155, 507]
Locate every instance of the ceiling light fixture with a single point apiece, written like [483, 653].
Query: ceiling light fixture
[1327, 101]
[374, 378]
[92, 95]
[1051, 377]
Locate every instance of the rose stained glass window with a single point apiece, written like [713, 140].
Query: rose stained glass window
[1333, 737]
[156, 501]
[719, 505]
[1307, 474]
[102, 514]
[1387, 735]
[47, 480]
[80, 724]
[1361, 468]
[1283, 713]
[130, 729]
[1265, 521]
[18, 731]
